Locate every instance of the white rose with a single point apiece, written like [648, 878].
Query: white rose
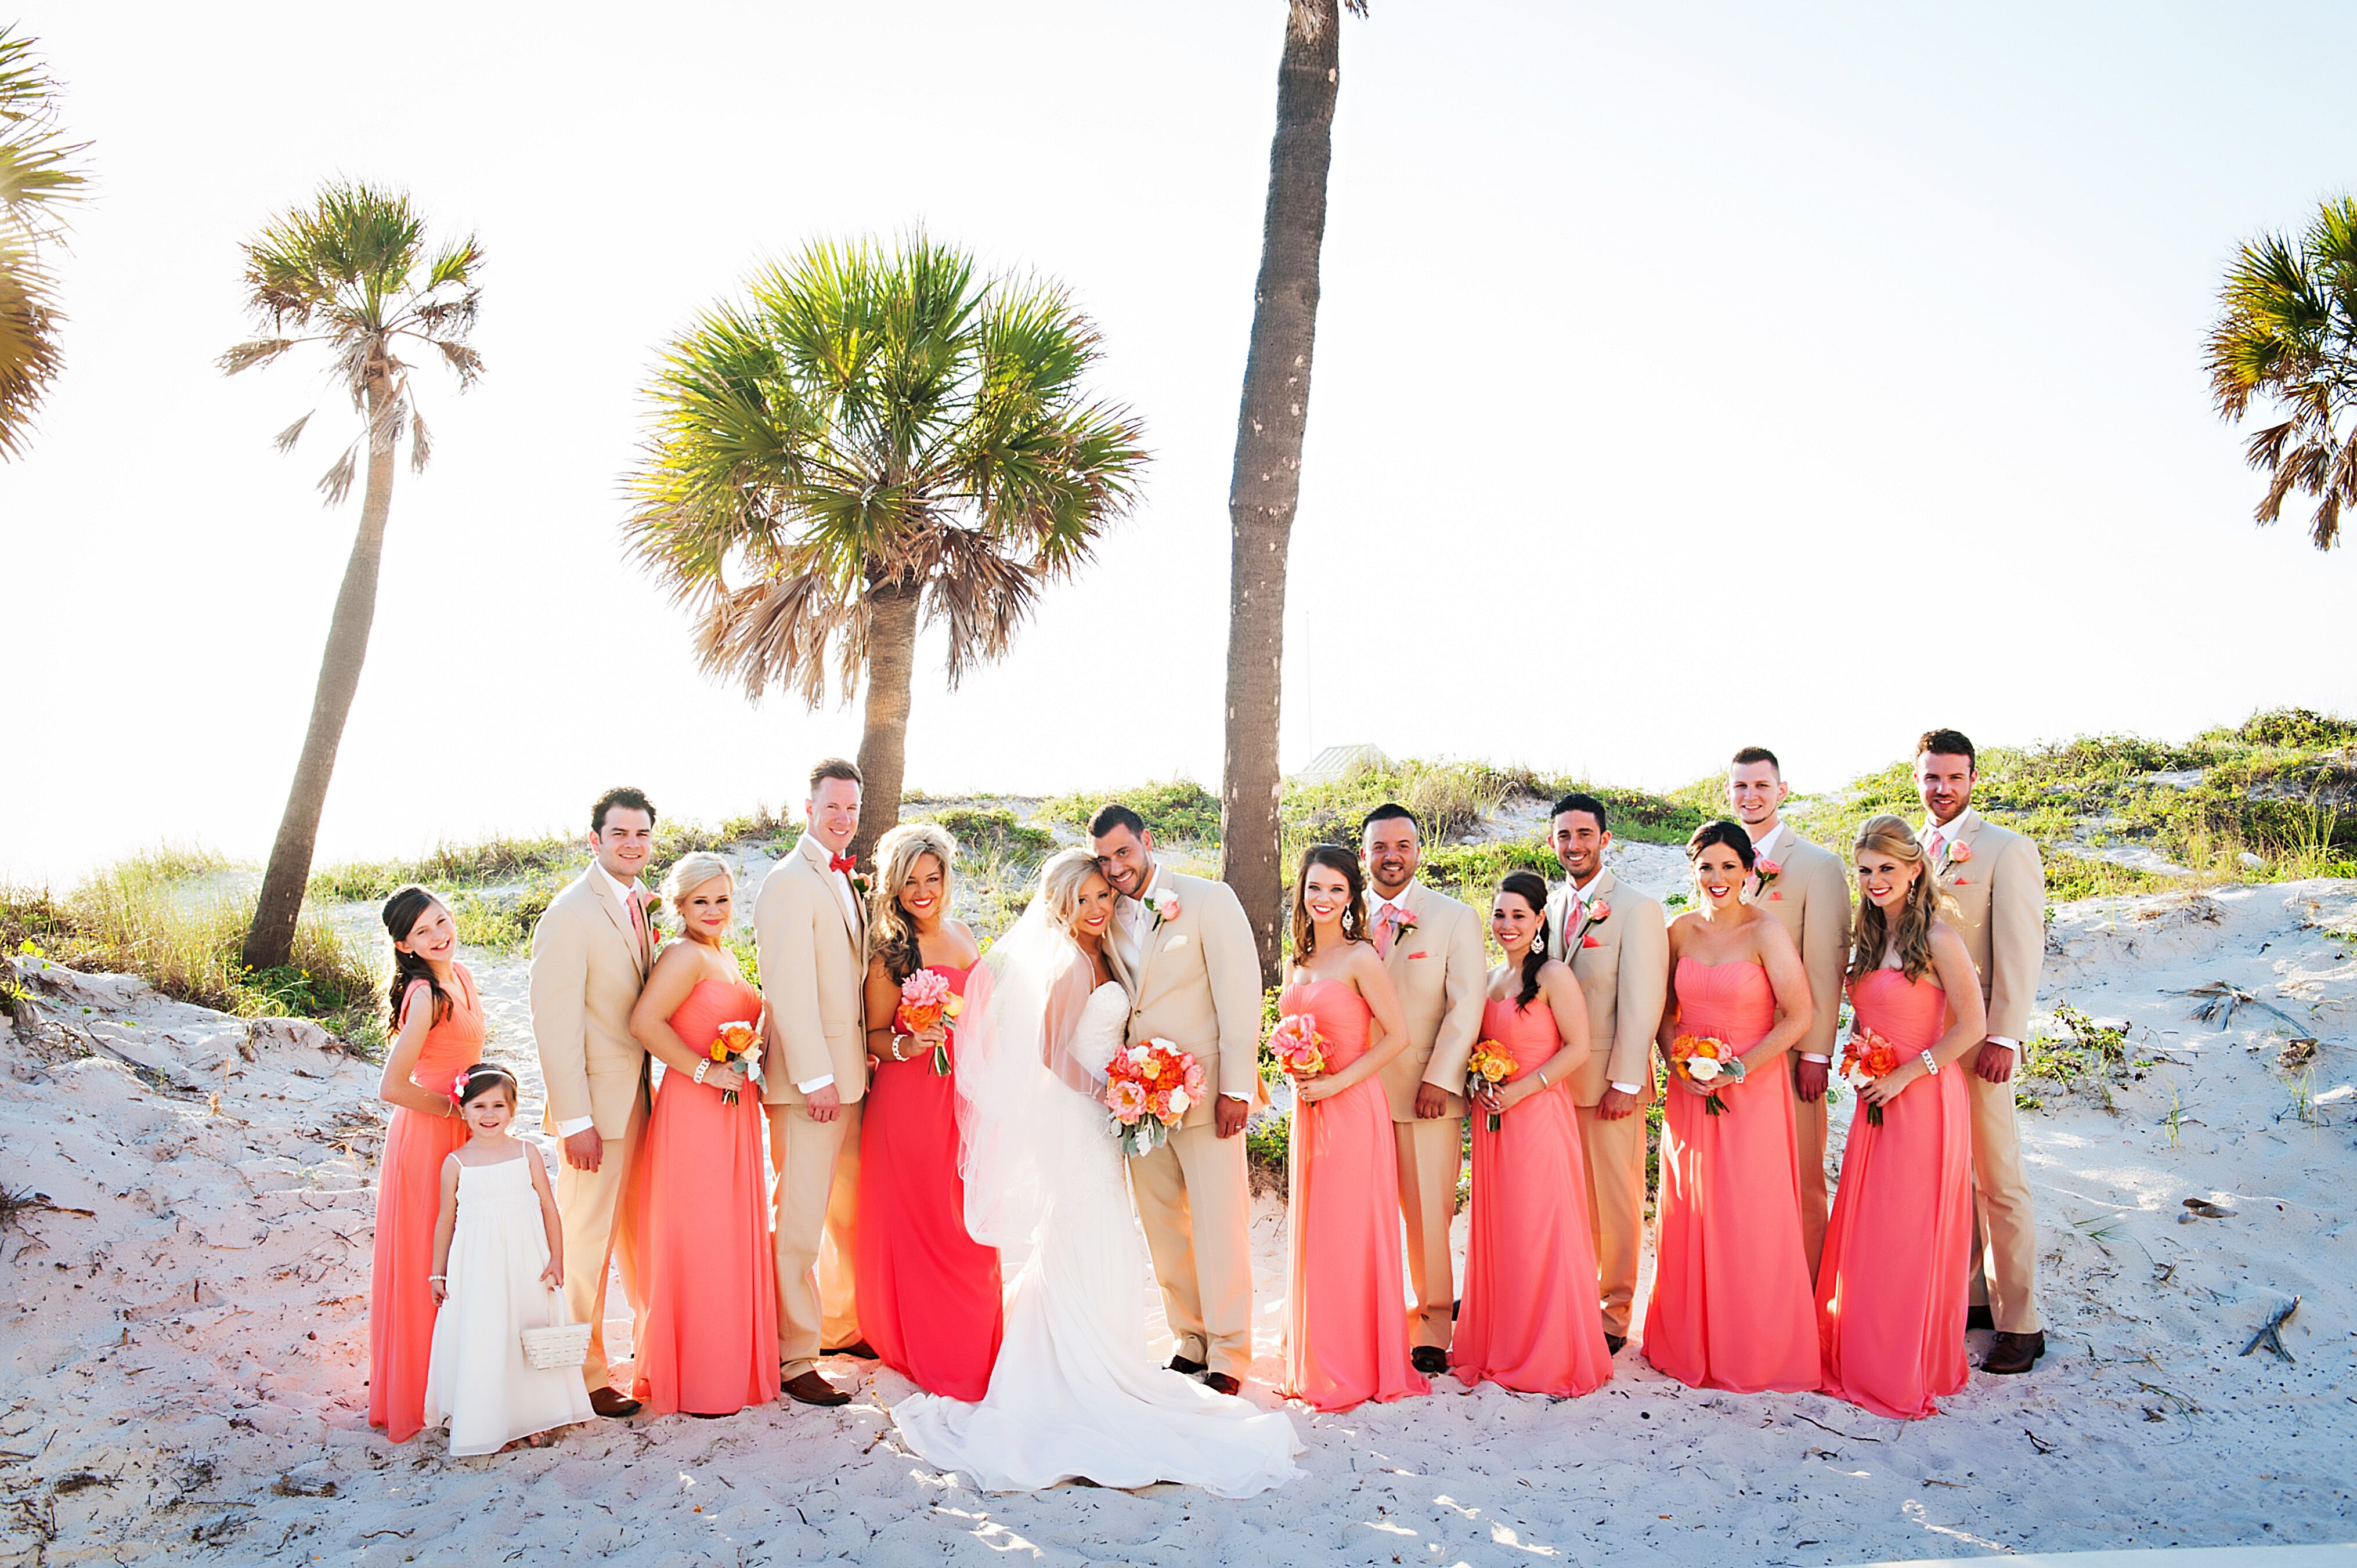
[1179, 1102]
[1703, 1070]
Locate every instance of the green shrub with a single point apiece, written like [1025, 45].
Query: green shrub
[2298, 728]
[447, 866]
[1180, 810]
[993, 831]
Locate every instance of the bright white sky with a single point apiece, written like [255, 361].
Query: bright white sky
[1687, 377]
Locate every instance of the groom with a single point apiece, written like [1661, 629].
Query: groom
[590, 954]
[1184, 952]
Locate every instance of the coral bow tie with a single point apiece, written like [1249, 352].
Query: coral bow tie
[843, 862]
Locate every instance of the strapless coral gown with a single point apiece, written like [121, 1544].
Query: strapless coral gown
[1530, 1319]
[1900, 1243]
[1732, 1305]
[704, 1260]
[1346, 1316]
[408, 1202]
[929, 1293]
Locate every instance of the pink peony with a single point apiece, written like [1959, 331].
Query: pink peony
[1126, 1099]
[1194, 1080]
[926, 988]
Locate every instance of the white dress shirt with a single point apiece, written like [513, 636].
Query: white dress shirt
[850, 900]
[1764, 847]
[621, 893]
[1132, 922]
[1578, 913]
[1956, 824]
[1380, 904]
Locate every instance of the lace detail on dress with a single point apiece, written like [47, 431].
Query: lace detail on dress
[1103, 1023]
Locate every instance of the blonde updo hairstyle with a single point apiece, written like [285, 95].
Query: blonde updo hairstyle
[1871, 932]
[897, 855]
[1060, 883]
[687, 873]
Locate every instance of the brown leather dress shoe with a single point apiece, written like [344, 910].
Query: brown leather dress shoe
[2015, 1353]
[612, 1402]
[1978, 1318]
[1187, 1369]
[812, 1389]
[858, 1347]
[1220, 1383]
[1612, 1343]
[1429, 1359]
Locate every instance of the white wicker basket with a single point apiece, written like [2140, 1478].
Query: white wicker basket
[560, 1344]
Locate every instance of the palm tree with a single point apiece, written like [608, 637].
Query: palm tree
[37, 179]
[870, 436]
[2288, 332]
[352, 271]
[1267, 484]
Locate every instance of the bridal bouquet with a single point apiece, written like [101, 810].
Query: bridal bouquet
[1490, 1065]
[926, 1000]
[1865, 1058]
[1706, 1061]
[1298, 1049]
[1149, 1088]
[737, 1041]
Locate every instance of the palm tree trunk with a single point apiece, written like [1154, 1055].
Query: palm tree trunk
[1266, 486]
[270, 940]
[884, 737]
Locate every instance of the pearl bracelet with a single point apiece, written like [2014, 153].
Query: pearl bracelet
[1930, 1066]
[703, 1066]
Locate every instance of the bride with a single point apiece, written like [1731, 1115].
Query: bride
[1073, 1393]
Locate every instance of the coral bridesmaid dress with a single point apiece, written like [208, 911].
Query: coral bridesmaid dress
[1888, 1323]
[1530, 1319]
[711, 1344]
[929, 1293]
[1346, 1323]
[408, 1202]
[1731, 1307]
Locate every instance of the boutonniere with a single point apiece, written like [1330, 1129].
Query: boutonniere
[1766, 872]
[1597, 913]
[1952, 853]
[649, 904]
[1162, 905]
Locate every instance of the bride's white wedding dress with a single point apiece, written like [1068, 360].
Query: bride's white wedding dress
[1074, 1393]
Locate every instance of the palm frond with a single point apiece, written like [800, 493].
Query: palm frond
[336, 482]
[30, 358]
[245, 356]
[421, 444]
[384, 426]
[284, 440]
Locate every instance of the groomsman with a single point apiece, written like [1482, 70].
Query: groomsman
[590, 954]
[1184, 951]
[1619, 948]
[1431, 947]
[810, 926]
[1999, 888]
[1806, 889]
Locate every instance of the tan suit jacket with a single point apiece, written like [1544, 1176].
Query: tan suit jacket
[587, 967]
[1442, 976]
[1624, 978]
[1198, 986]
[1811, 901]
[2000, 894]
[813, 959]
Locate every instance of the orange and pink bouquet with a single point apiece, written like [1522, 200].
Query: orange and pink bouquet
[1490, 1065]
[735, 1041]
[926, 1000]
[1298, 1049]
[1149, 1088]
[1865, 1058]
[1706, 1062]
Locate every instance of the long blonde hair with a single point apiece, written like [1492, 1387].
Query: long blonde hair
[687, 873]
[1061, 881]
[895, 934]
[1870, 934]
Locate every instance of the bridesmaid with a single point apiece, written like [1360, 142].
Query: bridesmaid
[711, 1343]
[437, 1021]
[928, 1292]
[1529, 1319]
[1898, 1245]
[1345, 1330]
[1731, 1307]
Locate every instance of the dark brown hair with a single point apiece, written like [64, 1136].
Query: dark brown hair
[1751, 753]
[1721, 829]
[835, 768]
[482, 1077]
[1354, 913]
[1532, 889]
[401, 913]
[1949, 743]
[625, 797]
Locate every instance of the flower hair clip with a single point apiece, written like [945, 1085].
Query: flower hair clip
[459, 1085]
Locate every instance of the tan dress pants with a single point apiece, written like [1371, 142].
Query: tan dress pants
[816, 1200]
[1615, 1152]
[1196, 1204]
[2004, 1274]
[1809, 1165]
[1431, 1154]
[600, 1213]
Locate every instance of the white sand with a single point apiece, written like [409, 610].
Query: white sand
[187, 1362]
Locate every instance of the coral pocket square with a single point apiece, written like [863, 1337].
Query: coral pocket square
[1589, 942]
[1412, 956]
[1959, 881]
[1774, 897]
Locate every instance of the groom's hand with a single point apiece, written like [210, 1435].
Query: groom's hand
[1431, 1100]
[1229, 1114]
[825, 1104]
[584, 1151]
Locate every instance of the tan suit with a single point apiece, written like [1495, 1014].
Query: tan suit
[1811, 900]
[1197, 984]
[814, 953]
[1622, 965]
[588, 963]
[2000, 894]
[1437, 967]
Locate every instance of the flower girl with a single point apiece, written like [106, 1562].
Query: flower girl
[499, 1263]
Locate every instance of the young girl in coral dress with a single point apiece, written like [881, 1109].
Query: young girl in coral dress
[1529, 1319]
[438, 1022]
[704, 1259]
[1888, 1320]
[499, 1265]
[1346, 1325]
[928, 1292]
[1732, 1305]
